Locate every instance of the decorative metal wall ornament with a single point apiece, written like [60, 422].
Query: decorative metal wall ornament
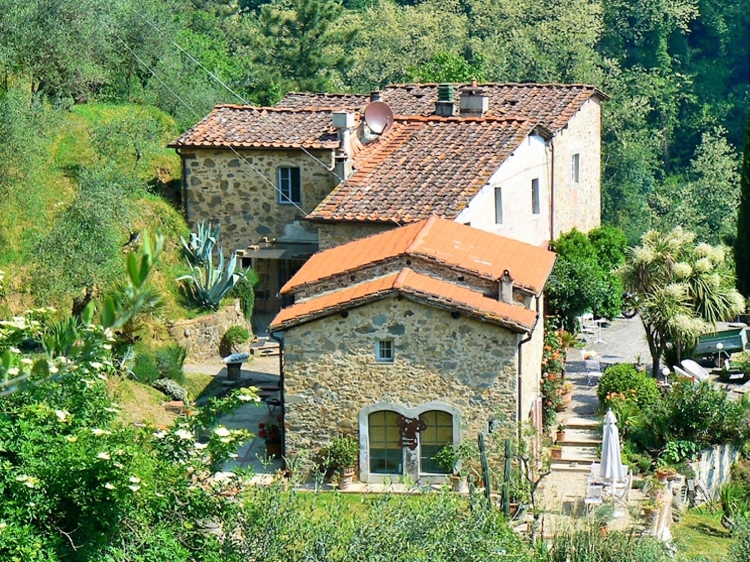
[409, 429]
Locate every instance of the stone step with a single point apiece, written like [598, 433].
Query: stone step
[574, 453]
[582, 437]
[574, 466]
[580, 423]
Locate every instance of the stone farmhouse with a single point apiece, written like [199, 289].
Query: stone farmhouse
[412, 339]
[517, 160]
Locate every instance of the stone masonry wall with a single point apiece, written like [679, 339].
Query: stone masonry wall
[221, 187]
[202, 335]
[578, 206]
[331, 372]
[331, 235]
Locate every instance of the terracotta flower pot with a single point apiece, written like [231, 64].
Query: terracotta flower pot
[560, 436]
[346, 479]
[556, 454]
[273, 450]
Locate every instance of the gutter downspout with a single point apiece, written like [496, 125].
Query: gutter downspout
[280, 341]
[183, 184]
[519, 385]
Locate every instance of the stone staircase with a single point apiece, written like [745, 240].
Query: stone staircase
[583, 440]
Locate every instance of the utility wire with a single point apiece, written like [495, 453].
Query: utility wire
[230, 90]
[183, 102]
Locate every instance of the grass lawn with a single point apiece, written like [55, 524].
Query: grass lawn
[701, 534]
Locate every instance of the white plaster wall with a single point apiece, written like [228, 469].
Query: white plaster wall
[531, 160]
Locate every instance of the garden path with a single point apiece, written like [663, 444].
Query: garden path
[564, 489]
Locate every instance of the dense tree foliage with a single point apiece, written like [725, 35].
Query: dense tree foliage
[742, 244]
[677, 71]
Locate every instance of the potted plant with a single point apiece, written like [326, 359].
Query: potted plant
[664, 473]
[450, 458]
[271, 433]
[341, 455]
[649, 507]
[556, 452]
[566, 392]
[560, 433]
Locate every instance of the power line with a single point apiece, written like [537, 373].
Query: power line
[230, 90]
[183, 102]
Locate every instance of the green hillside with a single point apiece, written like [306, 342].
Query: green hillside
[80, 183]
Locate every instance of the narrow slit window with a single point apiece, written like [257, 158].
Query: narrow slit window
[535, 209]
[575, 168]
[498, 205]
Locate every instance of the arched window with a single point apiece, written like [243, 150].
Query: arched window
[437, 434]
[386, 455]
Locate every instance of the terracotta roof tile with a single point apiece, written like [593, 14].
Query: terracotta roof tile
[422, 167]
[261, 127]
[446, 242]
[552, 105]
[411, 284]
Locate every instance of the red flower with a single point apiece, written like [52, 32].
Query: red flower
[261, 425]
[263, 433]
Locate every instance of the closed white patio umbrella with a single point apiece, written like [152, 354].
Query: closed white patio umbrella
[612, 469]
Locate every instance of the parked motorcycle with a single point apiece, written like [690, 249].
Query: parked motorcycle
[629, 305]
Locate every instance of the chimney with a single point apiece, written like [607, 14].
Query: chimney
[473, 101]
[375, 96]
[445, 106]
[343, 122]
[506, 288]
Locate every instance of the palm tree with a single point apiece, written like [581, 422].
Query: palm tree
[682, 290]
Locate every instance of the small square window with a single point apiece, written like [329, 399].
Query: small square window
[384, 351]
[575, 168]
[535, 196]
[289, 185]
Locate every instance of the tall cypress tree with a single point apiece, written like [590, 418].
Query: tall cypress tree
[742, 245]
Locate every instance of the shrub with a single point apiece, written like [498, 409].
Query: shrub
[236, 335]
[169, 361]
[245, 291]
[740, 549]
[625, 381]
[144, 369]
[342, 453]
[172, 389]
[207, 285]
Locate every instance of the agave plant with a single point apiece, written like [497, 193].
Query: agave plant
[207, 284]
[200, 247]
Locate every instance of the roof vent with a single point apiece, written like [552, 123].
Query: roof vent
[375, 96]
[445, 106]
[473, 102]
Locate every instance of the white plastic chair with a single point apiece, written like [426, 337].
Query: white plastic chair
[594, 494]
[593, 371]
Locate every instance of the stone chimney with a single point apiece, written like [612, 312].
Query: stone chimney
[445, 106]
[343, 122]
[473, 102]
[506, 288]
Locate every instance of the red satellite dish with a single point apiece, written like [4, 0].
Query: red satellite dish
[378, 117]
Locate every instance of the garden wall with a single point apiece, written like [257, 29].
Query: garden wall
[202, 336]
[712, 470]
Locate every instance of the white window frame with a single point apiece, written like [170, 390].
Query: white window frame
[384, 351]
[286, 187]
[575, 168]
[536, 204]
[498, 205]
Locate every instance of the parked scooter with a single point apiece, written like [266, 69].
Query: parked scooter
[629, 305]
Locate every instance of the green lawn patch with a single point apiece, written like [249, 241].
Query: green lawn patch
[700, 535]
